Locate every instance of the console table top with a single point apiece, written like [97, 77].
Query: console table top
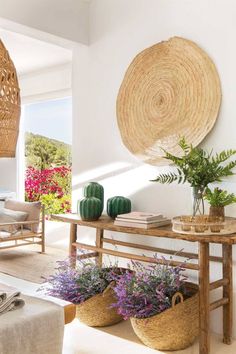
[106, 223]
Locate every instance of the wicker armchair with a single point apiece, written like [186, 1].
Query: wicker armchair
[21, 233]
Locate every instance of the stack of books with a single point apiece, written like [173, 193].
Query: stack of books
[141, 220]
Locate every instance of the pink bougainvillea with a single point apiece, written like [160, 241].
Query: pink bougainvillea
[52, 186]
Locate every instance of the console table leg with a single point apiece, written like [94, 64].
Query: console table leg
[99, 243]
[204, 304]
[227, 293]
[73, 237]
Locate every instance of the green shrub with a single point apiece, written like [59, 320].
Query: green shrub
[55, 205]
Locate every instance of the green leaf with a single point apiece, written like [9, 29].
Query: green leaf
[197, 166]
[219, 197]
[169, 178]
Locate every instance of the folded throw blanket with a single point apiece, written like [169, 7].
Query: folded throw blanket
[36, 328]
[10, 302]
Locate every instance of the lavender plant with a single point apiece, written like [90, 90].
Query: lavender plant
[148, 290]
[81, 283]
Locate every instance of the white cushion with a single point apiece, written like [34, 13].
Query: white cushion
[14, 214]
[11, 216]
[32, 208]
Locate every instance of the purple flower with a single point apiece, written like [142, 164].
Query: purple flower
[147, 290]
[79, 284]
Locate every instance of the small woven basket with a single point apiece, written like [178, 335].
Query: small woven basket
[97, 311]
[173, 329]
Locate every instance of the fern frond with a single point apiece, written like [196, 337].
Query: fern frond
[184, 145]
[198, 166]
[223, 156]
[167, 178]
[227, 170]
[231, 165]
[178, 161]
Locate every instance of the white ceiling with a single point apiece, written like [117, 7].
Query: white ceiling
[29, 54]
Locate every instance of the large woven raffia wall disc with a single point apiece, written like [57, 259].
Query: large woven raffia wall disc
[10, 106]
[170, 90]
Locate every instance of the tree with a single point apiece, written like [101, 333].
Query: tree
[42, 152]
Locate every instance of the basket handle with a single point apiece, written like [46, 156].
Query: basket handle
[175, 297]
[108, 287]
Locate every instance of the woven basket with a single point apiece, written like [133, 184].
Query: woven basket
[10, 107]
[170, 90]
[173, 329]
[97, 311]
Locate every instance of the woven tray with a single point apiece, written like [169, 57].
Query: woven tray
[188, 225]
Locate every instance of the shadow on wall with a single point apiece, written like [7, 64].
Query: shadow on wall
[101, 173]
[170, 200]
[133, 181]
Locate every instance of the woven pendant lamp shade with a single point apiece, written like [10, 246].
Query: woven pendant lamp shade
[9, 105]
[170, 90]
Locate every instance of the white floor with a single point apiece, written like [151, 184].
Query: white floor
[57, 234]
[80, 339]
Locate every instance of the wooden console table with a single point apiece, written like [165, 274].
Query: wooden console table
[202, 265]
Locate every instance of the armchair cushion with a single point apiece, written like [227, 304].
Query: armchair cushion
[16, 215]
[11, 216]
[31, 208]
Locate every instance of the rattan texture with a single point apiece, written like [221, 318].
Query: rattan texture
[173, 329]
[10, 106]
[97, 311]
[170, 90]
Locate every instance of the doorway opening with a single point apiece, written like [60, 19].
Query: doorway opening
[47, 130]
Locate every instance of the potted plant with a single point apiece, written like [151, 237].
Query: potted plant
[199, 168]
[218, 199]
[152, 297]
[89, 287]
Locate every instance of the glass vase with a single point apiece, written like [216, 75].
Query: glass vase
[198, 201]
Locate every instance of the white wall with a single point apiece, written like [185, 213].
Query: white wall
[53, 82]
[8, 174]
[65, 18]
[119, 29]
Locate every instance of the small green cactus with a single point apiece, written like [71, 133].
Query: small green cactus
[90, 208]
[94, 189]
[118, 205]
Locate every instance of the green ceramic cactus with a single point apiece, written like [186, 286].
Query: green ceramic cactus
[118, 205]
[90, 208]
[94, 189]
